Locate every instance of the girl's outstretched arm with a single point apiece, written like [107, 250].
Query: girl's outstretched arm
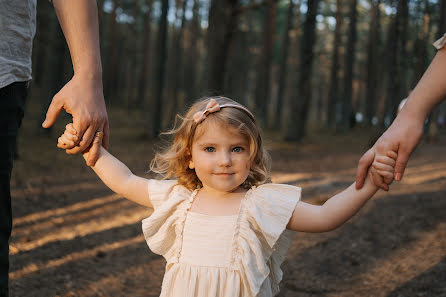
[339, 208]
[115, 174]
[118, 177]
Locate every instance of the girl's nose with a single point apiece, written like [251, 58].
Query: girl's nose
[224, 159]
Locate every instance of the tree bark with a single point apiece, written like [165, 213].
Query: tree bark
[295, 124]
[333, 93]
[133, 56]
[144, 77]
[155, 108]
[284, 65]
[347, 108]
[394, 90]
[222, 22]
[176, 64]
[191, 67]
[372, 57]
[111, 61]
[262, 91]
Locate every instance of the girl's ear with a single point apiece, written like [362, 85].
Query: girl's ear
[191, 164]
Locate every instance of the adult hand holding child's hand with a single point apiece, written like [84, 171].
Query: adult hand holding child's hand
[402, 137]
[67, 139]
[84, 100]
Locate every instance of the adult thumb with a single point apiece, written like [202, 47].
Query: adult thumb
[53, 112]
[400, 165]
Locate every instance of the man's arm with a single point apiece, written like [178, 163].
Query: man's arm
[405, 133]
[82, 96]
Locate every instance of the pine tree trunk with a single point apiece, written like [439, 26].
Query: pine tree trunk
[284, 65]
[178, 97]
[191, 64]
[333, 93]
[391, 71]
[155, 108]
[347, 109]
[402, 57]
[144, 76]
[133, 51]
[262, 91]
[53, 81]
[111, 60]
[222, 22]
[372, 55]
[295, 123]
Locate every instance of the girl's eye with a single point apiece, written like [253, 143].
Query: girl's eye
[237, 149]
[209, 149]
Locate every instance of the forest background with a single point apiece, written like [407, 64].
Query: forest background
[324, 77]
[323, 64]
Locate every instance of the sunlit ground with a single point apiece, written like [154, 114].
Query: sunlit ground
[74, 237]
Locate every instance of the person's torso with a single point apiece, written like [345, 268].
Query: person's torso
[17, 29]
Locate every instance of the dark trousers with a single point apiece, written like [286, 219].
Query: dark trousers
[12, 107]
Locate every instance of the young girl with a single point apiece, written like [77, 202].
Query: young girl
[221, 226]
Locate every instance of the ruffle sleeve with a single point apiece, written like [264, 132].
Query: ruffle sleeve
[163, 229]
[159, 190]
[262, 239]
[440, 43]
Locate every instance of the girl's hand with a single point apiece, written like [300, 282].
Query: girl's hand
[69, 138]
[385, 166]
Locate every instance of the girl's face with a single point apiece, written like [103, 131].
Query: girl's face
[220, 157]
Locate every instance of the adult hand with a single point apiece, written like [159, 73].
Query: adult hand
[83, 98]
[402, 137]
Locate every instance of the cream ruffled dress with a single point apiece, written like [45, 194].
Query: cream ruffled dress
[221, 256]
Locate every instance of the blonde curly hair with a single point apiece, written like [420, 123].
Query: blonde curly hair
[173, 160]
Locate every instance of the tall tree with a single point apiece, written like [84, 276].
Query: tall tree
[394, 90]
[333, 93]
[133, 51]
[262, 91]
[349, 64]
[112, 57]
[222, 22]
[402, 54]
[191, 63]
[54, 80]
[372, 59]
[155, 108]
[176, 63]
[420, 48]
[283, 64]
[144, 76]
[295, 123]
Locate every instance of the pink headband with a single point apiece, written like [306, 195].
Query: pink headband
[213, 106]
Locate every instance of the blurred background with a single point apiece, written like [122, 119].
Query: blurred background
[323, 64]
[324, 77]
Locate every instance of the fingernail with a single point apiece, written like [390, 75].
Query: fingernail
[44, 124]
[398, 176]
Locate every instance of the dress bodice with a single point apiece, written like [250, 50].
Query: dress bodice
[207, 239]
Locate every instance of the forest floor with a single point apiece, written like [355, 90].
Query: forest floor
[74, 237]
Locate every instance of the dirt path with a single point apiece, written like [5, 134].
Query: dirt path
[73, 237]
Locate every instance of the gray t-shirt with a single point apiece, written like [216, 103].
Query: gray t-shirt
[17, 29]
